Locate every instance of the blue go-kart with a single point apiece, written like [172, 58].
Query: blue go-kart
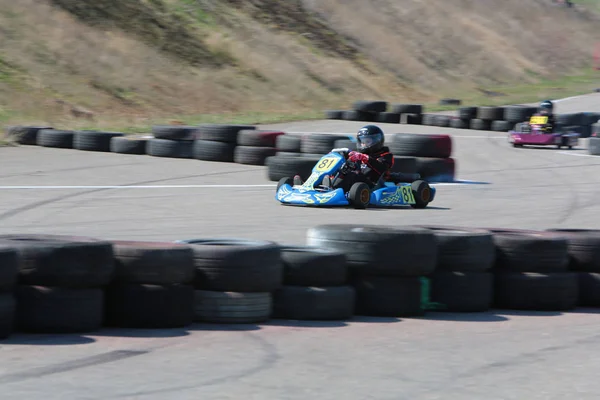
[395, 191]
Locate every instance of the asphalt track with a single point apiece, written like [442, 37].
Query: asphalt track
[501, 355]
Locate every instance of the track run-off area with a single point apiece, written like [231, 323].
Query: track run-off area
[497, 355]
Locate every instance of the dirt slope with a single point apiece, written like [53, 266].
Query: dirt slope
[106, 59]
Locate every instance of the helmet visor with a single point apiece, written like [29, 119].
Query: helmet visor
[365, 142]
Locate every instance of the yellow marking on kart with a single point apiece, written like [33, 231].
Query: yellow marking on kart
[325, 164]
[538, 120]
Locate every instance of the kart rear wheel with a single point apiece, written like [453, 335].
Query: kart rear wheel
[422, 192]
[359, 195]
[283, 181]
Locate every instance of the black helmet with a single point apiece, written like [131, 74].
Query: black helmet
[546, 106]
[370, 139]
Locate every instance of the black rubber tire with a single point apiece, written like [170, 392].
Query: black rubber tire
[422, 193]
[236, 265]
[463, 249]
[232, 307]
[583, 247]
[388, 118]
[462, 291]
[221, 133]
[589, 289]
[501, 126]
[388, 296]
[258, 138]
[154, 263]
[370, 106]
[359, 195]
[333, 114]
[280, 167]
[374, 250]
[467, 113]
[354, 115]
[535, 291]
[252, 155]
[10, 261]
[58, 310]
[8, 311]
[480, 124]
[428, 119]
[94, 140]
[26, 135]
[411, 119]
[345, 143]
[55, 138]
[63, 261]
[170, 148]
[208, 150]
[530, 251]
[131, 305]
[436, 169]
[289, 143]
[314, 303]
[174, 132]
[490, 113]
[516, 114]
[416, 109]
[421, 145]
[313, 266]
[130, 144]
[442, 120]
[458, 123]
[319, 143]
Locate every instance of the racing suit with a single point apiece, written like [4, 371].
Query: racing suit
[378, 164]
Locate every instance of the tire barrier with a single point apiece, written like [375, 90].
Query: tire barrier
[487, 118]
[72, 284]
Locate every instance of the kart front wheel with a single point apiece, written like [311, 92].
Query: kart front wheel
[359, 195]
[422, 192]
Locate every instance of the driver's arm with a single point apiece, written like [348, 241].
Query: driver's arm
[382, 163]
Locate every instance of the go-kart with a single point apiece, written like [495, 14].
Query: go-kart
[532, 133]
[394, 191]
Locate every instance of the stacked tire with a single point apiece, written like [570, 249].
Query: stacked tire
[217, 142]
[462, 281]
[531, 271]
[26, 135]
[91, 140]
[60, 139]
[151, 286]
[315, 285]
[170, 141]
[431, 155]
[61, 282]
[584, 255]
[234, 279]
[386, 265]
[138, 145]
[255, 146]
[10, 262]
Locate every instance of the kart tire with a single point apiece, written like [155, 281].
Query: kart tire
[58, 310]
[153, 263]
[530, 251]
[130, 144]
[458, 123]
[370, 106]
[314, 303]
[374, 249]
[318, 143]
[170, 148]
[583, 248]
[422, 192]
[131, 305]
[359, 195]
[490, 113]
[355, 115]
[480, 124]
[333, 114]
[209, 150]
[536, 291]
[280, 167]
[55, 138]
[388, 117]
[589, 289]
[462, 249]
[313, 266]
[252, 155]
[411, 119]
[232, 307]
[10, 261]
[462, 291]
[467, 113]
[407, 108]
[421, 145]
[388, 296]
[237, 265]
[8, 306]
[63, 261]
[500, 126]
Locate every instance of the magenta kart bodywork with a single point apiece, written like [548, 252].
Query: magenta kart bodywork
[538, 138]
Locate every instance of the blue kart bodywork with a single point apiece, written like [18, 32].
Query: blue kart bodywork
[385, 194]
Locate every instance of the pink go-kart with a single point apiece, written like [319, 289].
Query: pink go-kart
[533, 134]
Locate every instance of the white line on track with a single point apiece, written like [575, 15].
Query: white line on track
[577, 154]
